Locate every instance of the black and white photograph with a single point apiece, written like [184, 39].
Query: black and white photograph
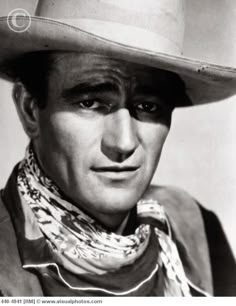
[117, 149]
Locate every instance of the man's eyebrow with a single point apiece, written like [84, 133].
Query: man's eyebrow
[160, 91]
[88, 88]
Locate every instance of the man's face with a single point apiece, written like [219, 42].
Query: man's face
[102, 132]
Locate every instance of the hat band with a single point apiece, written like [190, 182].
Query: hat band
[134, 37]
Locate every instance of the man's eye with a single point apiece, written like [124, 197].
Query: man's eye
[90, 104]
[148, 107]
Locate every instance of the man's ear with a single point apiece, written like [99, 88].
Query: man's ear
[27, 109]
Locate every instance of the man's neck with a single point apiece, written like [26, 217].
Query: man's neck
[115, 223]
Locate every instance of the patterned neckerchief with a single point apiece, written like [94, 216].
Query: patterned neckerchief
[81, 245]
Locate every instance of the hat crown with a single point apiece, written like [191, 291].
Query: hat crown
[155, 25]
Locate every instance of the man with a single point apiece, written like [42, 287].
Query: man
[95, 87]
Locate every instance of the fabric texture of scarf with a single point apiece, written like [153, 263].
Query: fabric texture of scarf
[83, 246]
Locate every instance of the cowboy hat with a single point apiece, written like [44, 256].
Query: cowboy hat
[148, 32]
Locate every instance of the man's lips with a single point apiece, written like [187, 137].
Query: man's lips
[117, 173]
[116, 169]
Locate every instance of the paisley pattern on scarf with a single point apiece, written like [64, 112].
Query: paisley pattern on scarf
[82, 245]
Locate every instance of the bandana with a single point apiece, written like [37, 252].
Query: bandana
[83, 246]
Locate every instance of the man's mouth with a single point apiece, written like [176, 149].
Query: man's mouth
[117, 172]
[116, 169]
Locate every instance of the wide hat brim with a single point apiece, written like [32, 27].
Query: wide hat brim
[204, 82]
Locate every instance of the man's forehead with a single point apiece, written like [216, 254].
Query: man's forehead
[93, 60]
[75, 67]
[81, 65]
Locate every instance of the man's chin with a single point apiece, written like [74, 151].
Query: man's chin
[118, 200]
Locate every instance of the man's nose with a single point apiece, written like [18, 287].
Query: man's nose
[120, 138]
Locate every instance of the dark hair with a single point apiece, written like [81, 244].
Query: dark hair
[33, 70]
